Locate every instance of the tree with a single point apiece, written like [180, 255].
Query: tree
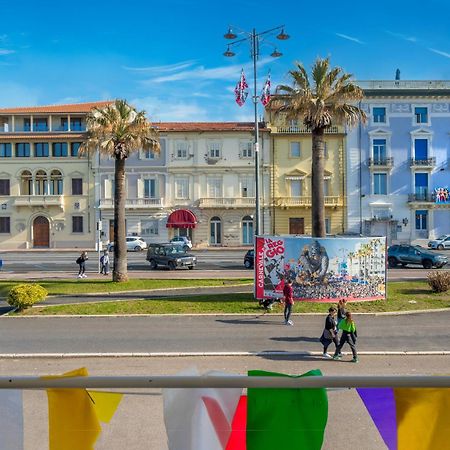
[330, 100]
[117, 130]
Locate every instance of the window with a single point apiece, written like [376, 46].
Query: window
[379, 115]
[5, 225]
[214, 150]
[296, 188]
[421, 185]
[150, 188]
[4, 187]
[325, 150]
[64, 125]
[77, 186]
[215, 231]
[41, 149]
[22, 150]
[75, 124]
[327, 225]
[26, 183]
[77, 224]
[40, 183]
[26, 125]
[247, 187]
[74, 148]
[421, 219]
[182, 188]
[295, 149]
[56, 183]
[247, 149]
[380, 184]
[421, 113]
[150, 228]
[215, 187]
[379, 150]
[326, 187]
[181, 150]
[421, 149]
[5, 150]
[247, 230]
[60, 149]
[149, 154]
[40, 125]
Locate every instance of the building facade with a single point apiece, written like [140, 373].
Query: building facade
[398, 163]
[46, 189]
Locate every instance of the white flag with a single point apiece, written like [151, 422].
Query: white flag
[11, 419]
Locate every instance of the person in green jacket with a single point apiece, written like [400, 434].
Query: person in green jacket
[349, 335]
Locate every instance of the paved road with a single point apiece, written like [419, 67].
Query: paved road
[411, 332]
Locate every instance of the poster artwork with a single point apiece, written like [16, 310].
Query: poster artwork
[322, 269]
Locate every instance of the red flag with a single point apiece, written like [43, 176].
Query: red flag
[265, 93]
[241, 90]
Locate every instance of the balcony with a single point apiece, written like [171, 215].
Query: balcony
[39, 200]
[227, 202]
[304, 130]
[133, 203]
[421, 198]
[423, 163]
[380, 163]
[305, 201]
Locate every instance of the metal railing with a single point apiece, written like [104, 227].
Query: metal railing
[425, 197]
[226, 202]
[423, 162]
[303, 130]
[134, 203]
[379, 162]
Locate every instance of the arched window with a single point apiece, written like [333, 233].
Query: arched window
[56, 183]
[247, 230]
[26, 183]
[40, 183]
[215, 233]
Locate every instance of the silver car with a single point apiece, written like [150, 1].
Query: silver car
[440, 243]
[134, 244]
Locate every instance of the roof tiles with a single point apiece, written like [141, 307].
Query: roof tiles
[63, 109]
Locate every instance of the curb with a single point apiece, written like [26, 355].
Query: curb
[208, 354]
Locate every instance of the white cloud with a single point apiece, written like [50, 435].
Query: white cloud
[162, 69]
[440, 52]
[5, 51]
[349, 38]
[402, 36]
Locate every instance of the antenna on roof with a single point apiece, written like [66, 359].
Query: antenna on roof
[397, 74]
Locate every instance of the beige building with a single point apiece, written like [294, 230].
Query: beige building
[46, 190]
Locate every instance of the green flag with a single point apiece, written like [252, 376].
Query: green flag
[286, 419]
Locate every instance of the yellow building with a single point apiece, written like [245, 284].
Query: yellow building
[291, 179]
[46, 190]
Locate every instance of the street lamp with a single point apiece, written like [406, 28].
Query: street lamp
[255, 39]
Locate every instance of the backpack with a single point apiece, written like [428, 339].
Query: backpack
[79, 260]
[102, 260]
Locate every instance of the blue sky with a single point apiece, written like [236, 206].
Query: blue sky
[167, 57]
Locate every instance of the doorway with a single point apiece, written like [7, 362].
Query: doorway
[41, 232]
[215, 235]
[296, 225]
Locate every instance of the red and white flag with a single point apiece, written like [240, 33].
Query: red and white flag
[265, 93]
[241, 90]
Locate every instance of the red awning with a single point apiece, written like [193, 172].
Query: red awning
[182, 218]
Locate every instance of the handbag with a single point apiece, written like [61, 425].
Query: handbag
[327, 334]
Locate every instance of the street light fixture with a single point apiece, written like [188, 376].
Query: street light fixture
[255, 39]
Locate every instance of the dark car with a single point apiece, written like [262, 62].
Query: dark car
[415, 254]
[249, 259]
[169, 255]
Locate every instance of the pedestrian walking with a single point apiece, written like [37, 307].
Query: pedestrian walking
[288, 293]
[81, 261]
[329, 333]
[104, 263]
[341, 311]
[349, 335]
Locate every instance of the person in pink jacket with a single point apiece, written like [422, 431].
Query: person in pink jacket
[288, 293]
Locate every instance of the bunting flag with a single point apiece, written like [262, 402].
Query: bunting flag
[241, 90]
[286, 418]
[265, 93]
[74, 414]
[11, 423]
[410, 418]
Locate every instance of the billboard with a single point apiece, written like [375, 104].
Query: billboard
[322, 269]
[442, 195]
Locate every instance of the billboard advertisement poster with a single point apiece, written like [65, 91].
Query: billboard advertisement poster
[322, 269]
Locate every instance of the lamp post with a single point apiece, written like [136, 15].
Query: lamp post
[255, 38]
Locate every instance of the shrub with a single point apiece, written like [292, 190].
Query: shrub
[439, 281]
[23, 296]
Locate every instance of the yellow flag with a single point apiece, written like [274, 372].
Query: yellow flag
[423, 418]
[105, 404]
[73, 422]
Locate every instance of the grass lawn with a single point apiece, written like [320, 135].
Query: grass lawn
[399, 296]
[60, 287]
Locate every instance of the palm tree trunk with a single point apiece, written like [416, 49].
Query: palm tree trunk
[317, 183]
[120, 272]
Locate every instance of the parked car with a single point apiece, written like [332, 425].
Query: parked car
[184, 241]
[415, 254]
[440, 243]
[169, 255]
[134, 244]
[249, 259]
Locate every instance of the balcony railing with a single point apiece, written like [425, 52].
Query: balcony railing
[429, 198]
[39, 200]
[227, 202]
[307, 201]
[423, 162]
[134, 203]
[381, 162]
[41, 129]
[304, 130]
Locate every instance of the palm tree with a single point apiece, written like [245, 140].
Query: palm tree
[328, 101]
[117, 130]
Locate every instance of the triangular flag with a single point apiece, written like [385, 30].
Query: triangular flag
[11, 422]
[286, 418]
[105, 404]
[237, 439]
